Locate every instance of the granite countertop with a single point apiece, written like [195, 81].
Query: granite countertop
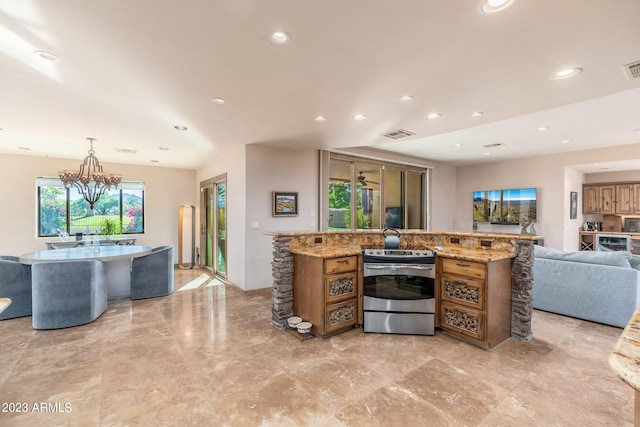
[4, 303]
[329, 252]
[476, 255]
[478, 234]
[625, 356]
[634, 235]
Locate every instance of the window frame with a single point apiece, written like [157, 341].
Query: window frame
[54, 182]
[326, 157]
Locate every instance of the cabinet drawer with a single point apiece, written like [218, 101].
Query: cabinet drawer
[461, 319]
[465, 268]
[340, 315]
[461, 290]
[340, 265]
[338, 287]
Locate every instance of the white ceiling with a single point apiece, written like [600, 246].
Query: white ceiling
[129, 71]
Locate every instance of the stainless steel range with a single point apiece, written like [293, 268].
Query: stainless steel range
[399, 291]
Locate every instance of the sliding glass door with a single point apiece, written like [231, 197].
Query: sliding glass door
[213, 228]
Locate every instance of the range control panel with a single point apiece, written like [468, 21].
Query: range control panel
[399, 252]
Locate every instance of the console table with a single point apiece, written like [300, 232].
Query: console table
[63, 244]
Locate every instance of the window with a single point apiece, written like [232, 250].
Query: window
[118, 211]
[366, 194]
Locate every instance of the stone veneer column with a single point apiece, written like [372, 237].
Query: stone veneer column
[282, 292]
[522, 291]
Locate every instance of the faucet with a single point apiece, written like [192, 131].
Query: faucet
[438, 241]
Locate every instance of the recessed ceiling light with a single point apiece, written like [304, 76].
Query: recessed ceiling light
[565, 74]
[180, 127]
[359, 117]
[46, 55]
[163, 148]
[279, 37]
[320, 118]
[433, 116]
[493, 6]
[477, 114]
[406, 98]
[542, 128]
[457, 145]
[565, 141]
[218, 101]
[24, 148]
[486, 154]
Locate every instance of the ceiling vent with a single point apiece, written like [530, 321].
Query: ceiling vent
[497, 144]
[397, 134]
[632, 70]
[126, 150]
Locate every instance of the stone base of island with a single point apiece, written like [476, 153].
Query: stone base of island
[506, 301]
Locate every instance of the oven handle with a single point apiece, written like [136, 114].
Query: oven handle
[395, 267]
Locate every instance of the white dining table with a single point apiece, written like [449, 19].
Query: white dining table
[116, 258]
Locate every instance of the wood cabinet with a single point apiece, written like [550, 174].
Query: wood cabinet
[627, 199]
[474, 300]
[326, 292]
[598, 198]
[587, 240]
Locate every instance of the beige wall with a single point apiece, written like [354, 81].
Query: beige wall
[232, 161]
[554, 176]
[253, 172]
[272, 169]
[165, 190]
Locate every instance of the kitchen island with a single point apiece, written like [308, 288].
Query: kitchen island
[625, 359]
[484, 248]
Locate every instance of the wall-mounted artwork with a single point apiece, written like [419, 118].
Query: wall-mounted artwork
[509, 207]
[284, 204]
[573, 203]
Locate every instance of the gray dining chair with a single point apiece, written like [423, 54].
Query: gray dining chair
[152, 274]
[15, 284]
[68, 293]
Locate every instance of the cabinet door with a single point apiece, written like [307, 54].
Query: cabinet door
[340, 315]
[338, 287]
[463, 291]
[590, 199]
[624, 198]
[607, 199]
[463, 320]
[635, 199]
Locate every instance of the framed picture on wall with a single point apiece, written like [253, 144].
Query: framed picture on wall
[284, 203]
[573, 204]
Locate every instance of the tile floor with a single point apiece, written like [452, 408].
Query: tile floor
[208, 356]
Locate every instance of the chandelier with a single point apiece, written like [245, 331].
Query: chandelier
[90, 180]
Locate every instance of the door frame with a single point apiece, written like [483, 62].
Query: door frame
[211, 184]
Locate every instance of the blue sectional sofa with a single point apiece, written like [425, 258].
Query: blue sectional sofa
[601, 287]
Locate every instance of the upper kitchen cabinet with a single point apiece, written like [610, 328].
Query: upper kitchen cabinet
[598, 199]
[628, 198]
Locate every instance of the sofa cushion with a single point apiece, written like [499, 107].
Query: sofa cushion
[616, 259]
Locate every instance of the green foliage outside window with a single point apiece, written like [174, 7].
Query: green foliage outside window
[339, 195]
[107, 217]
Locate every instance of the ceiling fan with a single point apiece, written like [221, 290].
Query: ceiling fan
[362, 180]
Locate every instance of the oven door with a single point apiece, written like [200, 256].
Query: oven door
[399, 287]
